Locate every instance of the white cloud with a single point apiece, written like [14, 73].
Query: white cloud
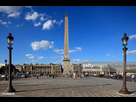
[108, 54]
[43, 19]
[37, 24]
[72, 51]
[43, 45]
[131, 52]
[31, 56]
[60, 51]
[10, 9]
[59, 23]
[3, 22]
[14, 14]
[41, 57]
[132, 37]
[78, 48]
[9, 22]
[76, 61]
[57, 56]
[52, 42]
[47, 25]
[31, 16]
[54, 21]
[19, 25]
[28, 7]
[34, 60]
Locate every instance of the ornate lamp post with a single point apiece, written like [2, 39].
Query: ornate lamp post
[124, 88]
[10, 42]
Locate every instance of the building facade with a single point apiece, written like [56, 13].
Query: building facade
[100, 69]
[42, 68]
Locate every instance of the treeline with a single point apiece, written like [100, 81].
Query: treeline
[130, 70]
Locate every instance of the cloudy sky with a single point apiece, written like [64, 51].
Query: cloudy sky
[95, 33]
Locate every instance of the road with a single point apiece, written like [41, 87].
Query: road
[127, 78]
[66, 87]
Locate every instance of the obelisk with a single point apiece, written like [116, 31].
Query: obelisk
[66, 59]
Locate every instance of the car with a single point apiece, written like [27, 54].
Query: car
[118, 76]
[101, 75]
[111, 75]
[95, 75]
[24, 76]
[2, 76]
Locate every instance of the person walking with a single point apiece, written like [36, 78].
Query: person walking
[53, 76]
[79, 76]
[74, 76]
[37, 76]
[71, 75]
[133, 76]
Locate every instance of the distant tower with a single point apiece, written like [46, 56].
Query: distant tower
[66, 59]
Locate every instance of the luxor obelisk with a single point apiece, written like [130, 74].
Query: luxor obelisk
[66, 59]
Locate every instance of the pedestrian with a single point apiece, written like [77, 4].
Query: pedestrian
[71, 75]
[133, 75]
[79, 76]
[66, 75]
[53, 76]
[74, 76]
[37, 76]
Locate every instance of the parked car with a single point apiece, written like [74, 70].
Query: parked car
[111, 75]
[118, 76]
[25, 76]
[101, 75]
[95, 75]
[2, 76]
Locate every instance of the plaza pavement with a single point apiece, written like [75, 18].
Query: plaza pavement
[66, 87]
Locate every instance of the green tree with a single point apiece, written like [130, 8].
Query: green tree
[3, 69]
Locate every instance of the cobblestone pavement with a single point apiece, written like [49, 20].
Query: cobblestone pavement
[66, 87]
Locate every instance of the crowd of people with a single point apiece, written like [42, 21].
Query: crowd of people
[74, 75]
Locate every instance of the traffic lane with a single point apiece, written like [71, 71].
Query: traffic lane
[127, 78]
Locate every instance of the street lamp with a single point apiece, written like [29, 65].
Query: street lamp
[10, 42]
[124, 88]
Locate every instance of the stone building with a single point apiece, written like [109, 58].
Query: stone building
[19, 67]
[118, 69]
[77, 68]
[42, 68]
[92, 69]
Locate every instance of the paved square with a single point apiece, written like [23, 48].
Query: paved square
[66, 87]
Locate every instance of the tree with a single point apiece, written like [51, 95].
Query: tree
[131, 71]
[3, 69]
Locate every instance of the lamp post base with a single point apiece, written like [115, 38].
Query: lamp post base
[124, 91]
[10, 89]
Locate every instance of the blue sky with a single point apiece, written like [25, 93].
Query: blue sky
[95, 33]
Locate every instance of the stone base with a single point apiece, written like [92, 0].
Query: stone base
[10, 89]
[124, 91]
